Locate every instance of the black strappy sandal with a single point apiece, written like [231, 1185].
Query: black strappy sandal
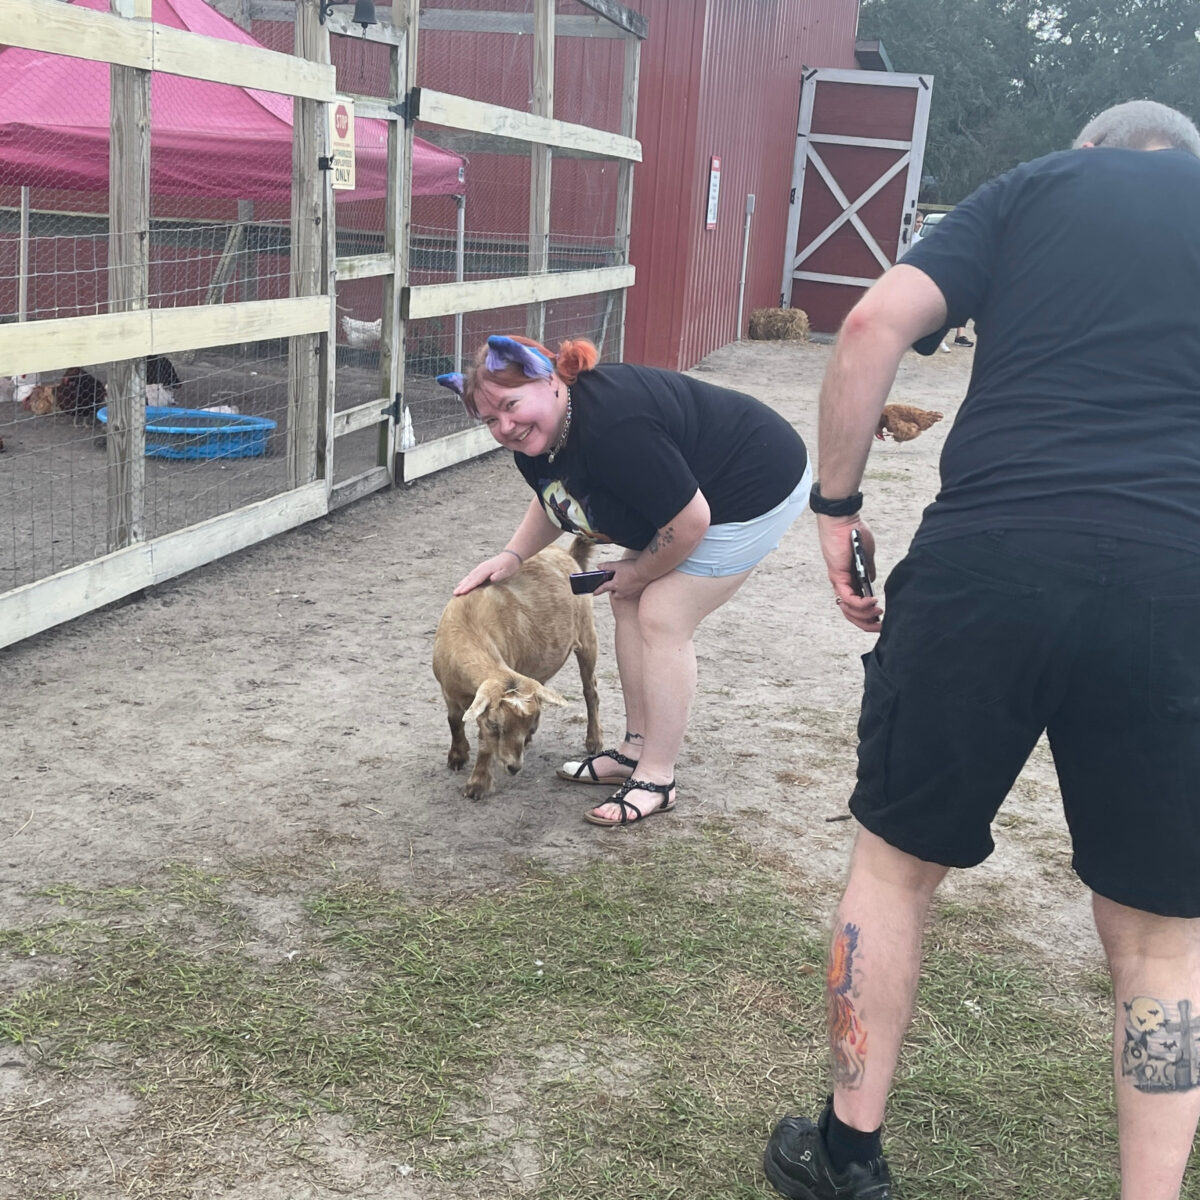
[577, 776]
[629, 814]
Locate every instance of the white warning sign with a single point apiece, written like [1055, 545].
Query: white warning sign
[341, 143]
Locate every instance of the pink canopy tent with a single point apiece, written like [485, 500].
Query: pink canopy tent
[206, 139]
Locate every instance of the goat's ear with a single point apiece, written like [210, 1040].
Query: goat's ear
[548, 696]
[483, 697]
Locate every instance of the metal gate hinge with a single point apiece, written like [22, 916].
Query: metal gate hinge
[393, 410]
[409, 108]
[325, 164]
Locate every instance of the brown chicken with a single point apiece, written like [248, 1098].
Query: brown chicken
[40, 401]
[904, 422]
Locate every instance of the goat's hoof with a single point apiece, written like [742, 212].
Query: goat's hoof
[475, 791]
[594, 745]
[455, 763]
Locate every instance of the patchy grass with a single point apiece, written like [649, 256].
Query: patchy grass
[629, 1030]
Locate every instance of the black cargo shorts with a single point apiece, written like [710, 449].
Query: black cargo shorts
[992, 638]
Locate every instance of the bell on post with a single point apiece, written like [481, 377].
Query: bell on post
[364, 14]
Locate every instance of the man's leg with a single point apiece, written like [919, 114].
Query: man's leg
[1155, 966]
[874, 963]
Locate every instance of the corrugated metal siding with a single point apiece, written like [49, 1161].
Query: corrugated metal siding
[718, 78]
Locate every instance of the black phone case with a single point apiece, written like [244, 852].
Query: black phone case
[584, 582]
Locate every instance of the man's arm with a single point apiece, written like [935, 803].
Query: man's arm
[901, 307]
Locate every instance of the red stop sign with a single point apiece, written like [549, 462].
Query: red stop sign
[341, 121]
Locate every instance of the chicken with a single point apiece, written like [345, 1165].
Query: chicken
[80, 394]
[362, 334]
[904, 422]
[40, 400]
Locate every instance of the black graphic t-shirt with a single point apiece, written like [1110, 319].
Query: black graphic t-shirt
[642, 442]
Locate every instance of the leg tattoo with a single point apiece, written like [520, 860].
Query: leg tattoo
[634, 737]
[1162, 1045]
[847, 1037]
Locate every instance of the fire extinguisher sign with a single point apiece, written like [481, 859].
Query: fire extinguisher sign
[714, 189]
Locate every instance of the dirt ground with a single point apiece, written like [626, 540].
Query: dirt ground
[280, 703]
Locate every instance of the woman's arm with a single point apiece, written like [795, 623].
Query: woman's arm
[667, 549]
[535, 532]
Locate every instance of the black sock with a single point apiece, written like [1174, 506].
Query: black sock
[847, 1145]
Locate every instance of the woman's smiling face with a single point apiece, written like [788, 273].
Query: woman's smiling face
[527, 418]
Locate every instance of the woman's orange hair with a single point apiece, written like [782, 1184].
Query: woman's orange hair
[575, 355]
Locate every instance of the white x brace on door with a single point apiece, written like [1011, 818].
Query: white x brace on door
[860, 145]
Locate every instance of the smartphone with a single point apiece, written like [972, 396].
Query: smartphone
[858, 566]
[583, 582]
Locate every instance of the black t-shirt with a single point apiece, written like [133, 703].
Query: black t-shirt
[1082, 273]
[642, 441]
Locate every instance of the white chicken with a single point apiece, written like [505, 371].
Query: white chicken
[362, 334]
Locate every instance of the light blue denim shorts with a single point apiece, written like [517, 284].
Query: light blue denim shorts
[736, 547]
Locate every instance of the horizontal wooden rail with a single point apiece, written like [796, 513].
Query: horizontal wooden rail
[442, 299]
[72, 593]
[72, 341]
[57, 28]
[441, 108]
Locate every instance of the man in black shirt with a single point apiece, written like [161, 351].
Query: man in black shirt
[1053, 586]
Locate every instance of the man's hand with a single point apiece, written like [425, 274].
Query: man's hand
[493, 570]
[834, 532]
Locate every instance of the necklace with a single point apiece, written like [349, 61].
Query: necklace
[562, 437]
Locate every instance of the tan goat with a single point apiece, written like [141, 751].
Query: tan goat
[495, 648]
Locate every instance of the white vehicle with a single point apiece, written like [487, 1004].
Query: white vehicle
[928, 226]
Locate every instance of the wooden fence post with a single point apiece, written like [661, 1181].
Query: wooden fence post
[540, 159]
[128, 286]
[311, 202]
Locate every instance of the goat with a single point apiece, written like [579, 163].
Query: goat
[493, 651]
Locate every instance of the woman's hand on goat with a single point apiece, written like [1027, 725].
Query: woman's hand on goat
[496, 569]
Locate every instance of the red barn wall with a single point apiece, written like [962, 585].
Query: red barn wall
[718, 79]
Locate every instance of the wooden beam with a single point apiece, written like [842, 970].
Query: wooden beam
[362, 416]
[445, 452]
[453, 21]
[624, 230]
[349, 490]
[38, 606]
[341, 25]
[441, 108]
[58, 28]
[465, 143]
[441, 299]
[542, 105]
[364, 266]
[309, 206]
[128, 291]
[52, 345]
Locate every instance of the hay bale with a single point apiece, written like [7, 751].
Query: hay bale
[779, 325]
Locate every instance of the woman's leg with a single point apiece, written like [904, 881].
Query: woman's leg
[660, 662]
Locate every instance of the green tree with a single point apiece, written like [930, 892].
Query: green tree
[1014, 79]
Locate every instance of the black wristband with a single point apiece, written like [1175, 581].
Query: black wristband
[848, 507]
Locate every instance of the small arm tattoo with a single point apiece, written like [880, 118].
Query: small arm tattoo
[662, 539]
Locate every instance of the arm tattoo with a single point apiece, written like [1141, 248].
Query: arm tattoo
[662, 539]
[1162, 1045]
[847, 1036]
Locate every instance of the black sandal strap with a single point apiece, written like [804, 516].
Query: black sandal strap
[617, 757]
[618, 797]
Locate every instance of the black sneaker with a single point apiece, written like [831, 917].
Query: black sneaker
[963, 341]
[798, 1166]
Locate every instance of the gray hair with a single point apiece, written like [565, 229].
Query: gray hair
[1140, 124]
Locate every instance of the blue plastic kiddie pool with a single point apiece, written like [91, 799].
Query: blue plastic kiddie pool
[198, 433]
